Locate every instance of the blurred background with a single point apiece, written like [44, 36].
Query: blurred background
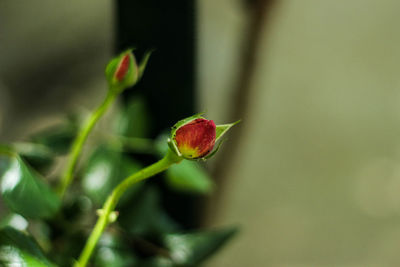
[312, 174]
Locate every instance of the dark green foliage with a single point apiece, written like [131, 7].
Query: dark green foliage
[188, 176]
[58, 138]
[113, 251]
[18, 249]
[133, 119]
[145, 216]
[190, 249]
[26, 193]
[38, 156]
[144, 233]
[106, 168]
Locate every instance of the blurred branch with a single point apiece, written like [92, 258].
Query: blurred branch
[259, 11]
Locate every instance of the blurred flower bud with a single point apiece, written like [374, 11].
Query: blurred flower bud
[123, 71]
[195, 137]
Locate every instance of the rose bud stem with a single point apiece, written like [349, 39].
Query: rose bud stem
[79, 141]
[169, 159]
[121, 73]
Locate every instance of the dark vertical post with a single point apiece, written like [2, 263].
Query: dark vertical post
[168, 27]
[168, 83]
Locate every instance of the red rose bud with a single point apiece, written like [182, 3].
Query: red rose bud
[123, 71]
[196, 139]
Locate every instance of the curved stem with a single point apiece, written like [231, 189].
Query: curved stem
[112, 200]
[80, 140]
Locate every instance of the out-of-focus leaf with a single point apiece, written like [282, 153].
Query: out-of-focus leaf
[145, 216]
[134, 144]
[38, 156]
[157, 262]
[57, 139]
[111, 251]
[106, 169]
[14, 220]
[67, 249]
[188, 176]
[25, 193]
[190, 249]
[133, 120]
[161, 143]
[4, 163]
[18, 249]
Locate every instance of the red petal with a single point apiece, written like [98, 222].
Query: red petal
[123, 67]
[196, 138]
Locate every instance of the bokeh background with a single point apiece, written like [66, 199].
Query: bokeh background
[312, 174]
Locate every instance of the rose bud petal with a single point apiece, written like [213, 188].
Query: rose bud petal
[196, 139]
[124, 65]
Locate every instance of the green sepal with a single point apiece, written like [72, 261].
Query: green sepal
[212, 153]
[173, 147]
[222, 129]
[143, 63]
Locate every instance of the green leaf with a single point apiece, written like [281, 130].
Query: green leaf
[38, 156]
[145, 216]
[4, 163]
[190, 249]
[25, 193]
[157, 262]
[188, 176]
[14, 220]
[111, 251]
[161, 143]
[133, 119]
[222, 129]
[18, 249]
[106, 168]
[58, 138]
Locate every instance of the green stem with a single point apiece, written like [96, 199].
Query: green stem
[112, 200]
[80, 140]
